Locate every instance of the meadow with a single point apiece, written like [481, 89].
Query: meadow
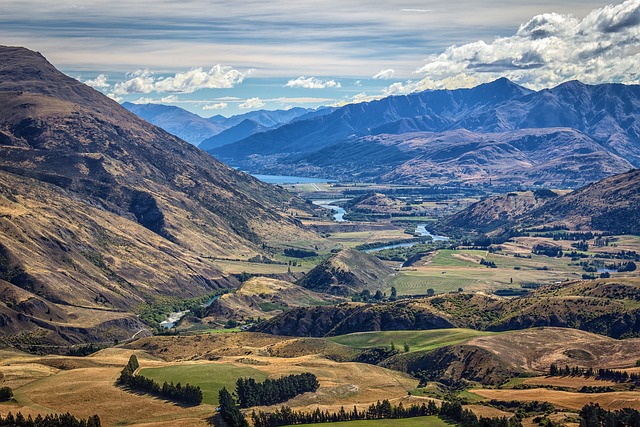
[416, 340]
[210, 377]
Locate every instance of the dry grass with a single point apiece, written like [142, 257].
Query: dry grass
[536, 349]
[488, 411]
[88, 387]
[571, 382]
[565, 399]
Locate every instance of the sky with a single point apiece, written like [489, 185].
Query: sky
[232, 56]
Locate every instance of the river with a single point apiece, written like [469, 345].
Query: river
[421, 230]
[172, 318]
[338, 216]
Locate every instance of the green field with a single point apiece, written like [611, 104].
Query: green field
[210, 377]
[417, 340]
[432, 421]
[445, 258]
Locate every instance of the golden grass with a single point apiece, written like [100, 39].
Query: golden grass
[565, 399]
[571, 382]
[85, 391]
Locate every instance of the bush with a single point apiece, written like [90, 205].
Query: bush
[6, 394]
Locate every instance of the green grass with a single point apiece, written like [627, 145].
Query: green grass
[432, 421]
[444, 258]
[470, 397]
[417, 340]
[210, 377]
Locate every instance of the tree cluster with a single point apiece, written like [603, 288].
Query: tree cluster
[605, 374]
[466, 418]
[299, 253]
[229, 410]
[592, 415]
[489, 264]
[188, 394]
[269, 392]
[6, 394]
[548, 250]
[380, 410]
[49, 420]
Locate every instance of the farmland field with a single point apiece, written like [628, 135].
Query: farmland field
[210, 377]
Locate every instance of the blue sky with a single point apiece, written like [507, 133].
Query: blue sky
[226, 57]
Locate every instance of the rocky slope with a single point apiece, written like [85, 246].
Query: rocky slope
[101, 211]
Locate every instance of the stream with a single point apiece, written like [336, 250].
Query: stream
[172, 318]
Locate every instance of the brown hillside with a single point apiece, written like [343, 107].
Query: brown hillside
[265, 297]
[612, 204]
[348, 272]
[103, 210]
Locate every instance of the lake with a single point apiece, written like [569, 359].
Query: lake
[285, 179]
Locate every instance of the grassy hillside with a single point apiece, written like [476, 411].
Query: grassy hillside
[417, 340]
[610, 309]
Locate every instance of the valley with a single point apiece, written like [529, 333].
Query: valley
[479, 268]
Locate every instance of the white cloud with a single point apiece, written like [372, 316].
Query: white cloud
[547, 50]
[144, 81]
[385, 74]
[312, 83]
[169, 99]
[358, 83]
[357, 99]
[458, 81]
[216, 106]
[100, 82]
[252, 103]
[144, 100]
[115, 97]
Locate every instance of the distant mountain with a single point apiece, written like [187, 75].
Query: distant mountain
[612, 204]
[102, 212]
[177, 121]
[566, 136]
[242, 130]
[196, 129]
[268, 118]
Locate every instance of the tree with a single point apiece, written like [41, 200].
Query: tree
[378, 296]
[406, 347]
[6, 394]
[229, 411]
[394, 293]
[430, 292]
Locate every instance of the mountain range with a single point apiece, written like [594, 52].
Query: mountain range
[566, 136]
[102, 212]
[208, 133]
